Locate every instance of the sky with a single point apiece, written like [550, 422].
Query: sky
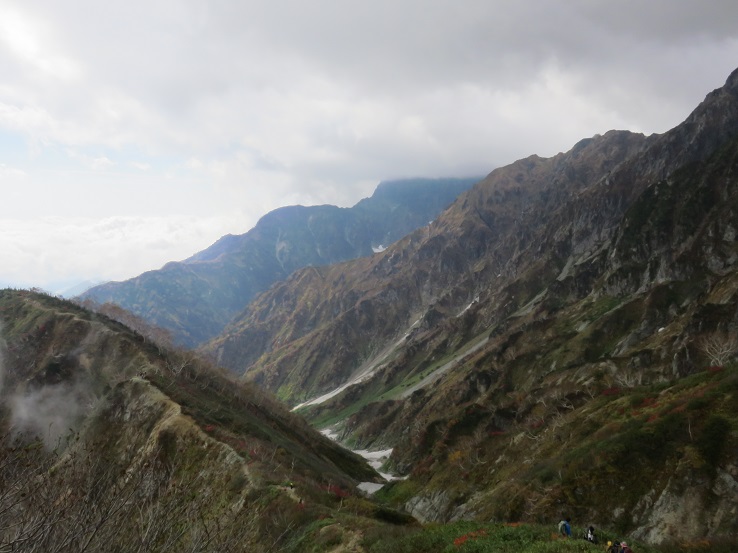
[135, 132]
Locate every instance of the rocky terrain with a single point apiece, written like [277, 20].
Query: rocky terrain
[560, 341]
[549, 343]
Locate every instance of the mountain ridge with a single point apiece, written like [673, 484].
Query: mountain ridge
[551, 292]
[194, 299]
[109, 441]
[501, 188]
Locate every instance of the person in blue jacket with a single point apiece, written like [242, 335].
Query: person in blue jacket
[565, 527]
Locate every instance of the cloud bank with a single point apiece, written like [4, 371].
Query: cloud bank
[231, 109]
[58, 251]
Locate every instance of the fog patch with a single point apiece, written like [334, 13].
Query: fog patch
[50, 413]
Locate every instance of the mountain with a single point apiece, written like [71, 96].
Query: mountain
[109, 442]
[561, 339]
[195, 299]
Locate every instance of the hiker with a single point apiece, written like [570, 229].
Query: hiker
[591, 535]
[613, 547]
[565, 527]
[624, 548]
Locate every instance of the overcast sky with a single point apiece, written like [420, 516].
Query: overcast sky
[137, 132]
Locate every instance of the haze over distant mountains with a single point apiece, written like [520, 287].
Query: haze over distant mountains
[195, 299]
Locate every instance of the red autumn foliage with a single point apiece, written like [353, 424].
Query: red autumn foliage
[337, 491]
[461, 540]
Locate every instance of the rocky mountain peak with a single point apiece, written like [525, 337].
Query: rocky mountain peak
[196, 298]
[495, 339]
[731, 83]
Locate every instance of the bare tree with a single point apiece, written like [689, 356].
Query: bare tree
[629, 380]
[720, 347]
[80, 502]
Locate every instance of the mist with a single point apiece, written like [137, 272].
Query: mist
[51, 413]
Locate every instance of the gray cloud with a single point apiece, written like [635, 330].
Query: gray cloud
[230, 109]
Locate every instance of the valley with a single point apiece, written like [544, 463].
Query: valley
[561, 340]
[549, 323]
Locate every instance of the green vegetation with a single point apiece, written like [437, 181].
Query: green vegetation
[622, 441]
[167, 452]
[713, 439]
[567, 450]
[488, 538]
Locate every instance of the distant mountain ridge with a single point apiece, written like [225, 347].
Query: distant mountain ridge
[195, 299]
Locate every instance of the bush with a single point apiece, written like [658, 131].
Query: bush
[711, 441]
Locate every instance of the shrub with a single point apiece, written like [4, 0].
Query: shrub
[711, 441]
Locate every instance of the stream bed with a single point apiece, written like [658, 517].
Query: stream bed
[375, 459]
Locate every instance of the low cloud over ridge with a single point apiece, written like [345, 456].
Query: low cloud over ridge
[229, 110]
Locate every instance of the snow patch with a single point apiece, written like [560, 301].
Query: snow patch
[475, 300]
[364, 372]
[374, 459]
[370, 487]
[435, 375]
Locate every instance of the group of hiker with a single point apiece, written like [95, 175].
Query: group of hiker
[590, 536]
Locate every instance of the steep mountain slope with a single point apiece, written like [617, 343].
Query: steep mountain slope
[194, 299]
[109, 443]
[360, 306]
[549, 325]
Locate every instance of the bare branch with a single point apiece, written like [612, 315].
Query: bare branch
[720, 347]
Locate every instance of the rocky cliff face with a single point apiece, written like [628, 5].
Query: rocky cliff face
[196, 298]
[536, 226]
[560, 309]
[360, 306]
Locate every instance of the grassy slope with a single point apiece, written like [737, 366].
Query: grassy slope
[581, 428]
[164, 424]
[471, 537]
